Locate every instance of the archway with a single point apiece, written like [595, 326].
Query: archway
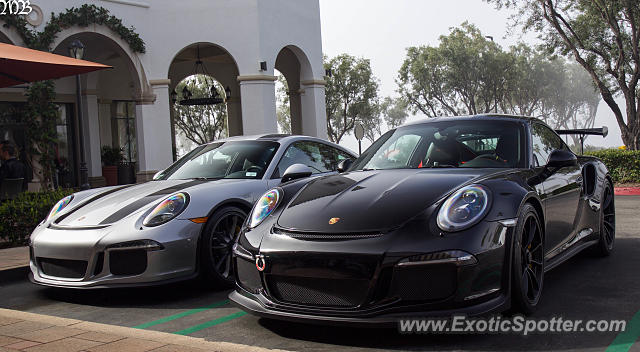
[293, 64]
[110, 100]
[221, 67]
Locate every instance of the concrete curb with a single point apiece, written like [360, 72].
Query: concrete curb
[627, 191]
[125, 332]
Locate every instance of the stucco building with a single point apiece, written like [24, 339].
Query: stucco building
[241, 42]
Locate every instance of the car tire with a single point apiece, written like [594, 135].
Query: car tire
[216, 247]
[528, 262]
[607, 238]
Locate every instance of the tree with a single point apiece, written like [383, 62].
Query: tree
[463, 75]
[394, 111]
[576, 102]
[351, 95]
[283, 107]
[201, 123]
[603, 37]
[466, 74]
[530, 82]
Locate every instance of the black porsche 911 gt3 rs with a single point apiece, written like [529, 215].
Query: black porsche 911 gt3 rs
[451, 216]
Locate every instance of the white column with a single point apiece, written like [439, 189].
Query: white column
[234, 114]
[91, 134]
[153, 132]
[314, 111]
[258, 95]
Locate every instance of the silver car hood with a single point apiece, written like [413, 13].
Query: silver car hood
[113, 205]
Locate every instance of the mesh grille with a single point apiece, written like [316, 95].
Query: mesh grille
[248, 276]
[71, 269]
[326, 236]
[428, 282]
[319, 292]
[128, 262]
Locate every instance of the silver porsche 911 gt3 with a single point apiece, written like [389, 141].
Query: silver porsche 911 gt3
[178, 226]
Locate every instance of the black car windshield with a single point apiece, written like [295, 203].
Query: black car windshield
[232, 160]
[448, 144]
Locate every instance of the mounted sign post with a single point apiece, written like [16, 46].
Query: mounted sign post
[358, 130]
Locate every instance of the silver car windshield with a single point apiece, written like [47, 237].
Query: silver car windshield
[448, 144]
[231, 160]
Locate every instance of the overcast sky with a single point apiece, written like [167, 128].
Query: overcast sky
[382, 30]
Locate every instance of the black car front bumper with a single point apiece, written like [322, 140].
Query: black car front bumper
[380, 280]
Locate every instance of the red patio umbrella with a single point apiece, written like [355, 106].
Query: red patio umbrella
[20, 65]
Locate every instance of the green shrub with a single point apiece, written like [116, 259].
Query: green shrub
[20, 216]
[623, 165]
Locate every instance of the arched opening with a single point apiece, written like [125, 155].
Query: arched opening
[202, 66]
[195, 123]
[292, 68]
[109, 102]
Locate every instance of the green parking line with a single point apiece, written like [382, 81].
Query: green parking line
[625, 339]
[209, 324]
[180, 315]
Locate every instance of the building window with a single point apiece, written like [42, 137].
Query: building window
[124, 129]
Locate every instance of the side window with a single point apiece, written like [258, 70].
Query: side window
[319, 157]
[340, 155]
[332, 156]
[544, 141]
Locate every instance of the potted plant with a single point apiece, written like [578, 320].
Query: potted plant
[111, 157]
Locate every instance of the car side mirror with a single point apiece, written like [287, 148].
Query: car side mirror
[344, 165]
[560, 158]
[296, 171]
[158, 175]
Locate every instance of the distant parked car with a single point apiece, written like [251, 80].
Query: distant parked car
[182, 224]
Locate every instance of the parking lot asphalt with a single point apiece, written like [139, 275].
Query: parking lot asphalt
[583, 288]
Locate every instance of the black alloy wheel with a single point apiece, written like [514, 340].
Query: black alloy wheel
[528, 261]
[607, 221]
[216, 248]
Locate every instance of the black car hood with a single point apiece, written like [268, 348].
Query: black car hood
[371, 201]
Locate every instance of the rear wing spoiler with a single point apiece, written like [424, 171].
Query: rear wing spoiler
[603, 131]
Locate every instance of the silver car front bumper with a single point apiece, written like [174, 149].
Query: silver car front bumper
[114, 256]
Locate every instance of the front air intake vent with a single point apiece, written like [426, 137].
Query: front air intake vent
[70, 269]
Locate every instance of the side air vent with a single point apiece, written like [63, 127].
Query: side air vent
[589, 176]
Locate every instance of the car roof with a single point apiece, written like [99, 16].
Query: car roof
[282, 139]
[486, 117]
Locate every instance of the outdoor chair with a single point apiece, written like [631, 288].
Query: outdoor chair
[10, 188]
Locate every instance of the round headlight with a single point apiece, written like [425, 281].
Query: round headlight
[265, 206]
[62, 203]
[464, 208]
[167, 210]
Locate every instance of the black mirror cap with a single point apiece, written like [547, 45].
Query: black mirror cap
[296, 171]
[344, 165]
[560, 158]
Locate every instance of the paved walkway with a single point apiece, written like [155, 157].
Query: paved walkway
[30, 332]
[12, 258]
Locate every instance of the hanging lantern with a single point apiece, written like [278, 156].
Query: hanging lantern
[187, 96]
